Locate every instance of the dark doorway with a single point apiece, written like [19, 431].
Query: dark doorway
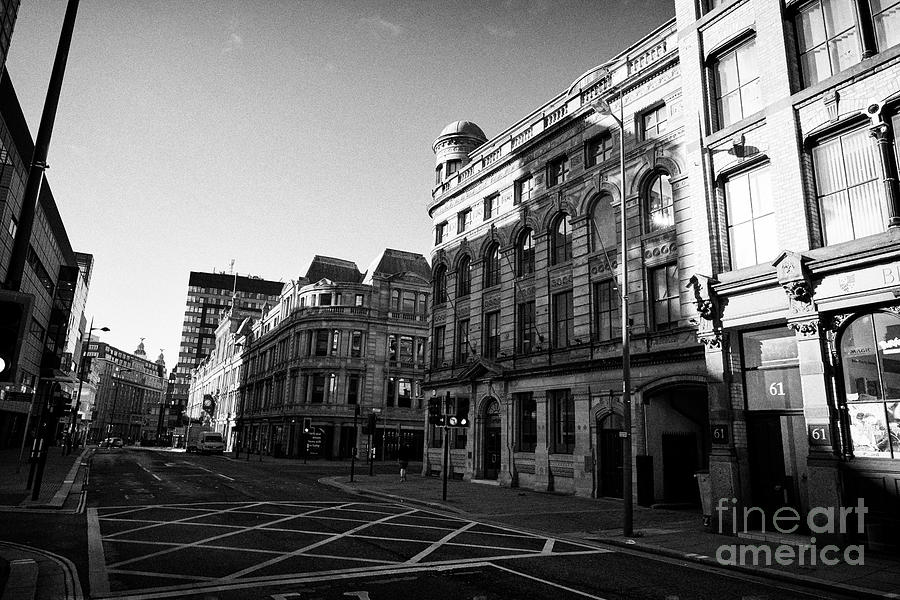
[680, 462]
[609, 444]
[492, 441]
[771, 485]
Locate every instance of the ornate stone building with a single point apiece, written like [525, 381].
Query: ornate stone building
[526, 322]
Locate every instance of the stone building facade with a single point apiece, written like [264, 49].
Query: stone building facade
[794, 161]
[526, 324]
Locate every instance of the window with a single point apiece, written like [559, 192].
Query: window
[464, 277]
[664, 290]
[492, 266]
[462, 341]
[525, 254]
[392, 347]
[353, 389]
[409, 302]
[491, 206]
[438, 346]
[463, 220]
[453, 166]
[827, 39]
[404, 393]
[440, 284]
[420, 351]
[562, 407]
[37, 330]
[848, 187]
[557, 171]
[561, 242]
[886, 15]
[13, 227]
[325, 299]
[751, 219]
[522, 189]
[335, 341]
[606, 310]
[527, 406]
[659, 203]
[598, 149]
[526, 328]
[603, 225]
[870, 358]
[771, 369]
[563, 322]
[492, 335]
[438, 174]
[653, 122]
[440, 231]
[322, 339]
[318, 389]
[395, 300]
[422, 304]
[736, 84]
[358, 301]
[712, 4]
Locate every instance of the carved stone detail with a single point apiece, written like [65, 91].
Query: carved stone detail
[805, 329]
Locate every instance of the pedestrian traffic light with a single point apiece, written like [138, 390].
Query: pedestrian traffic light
[307, 424]
[15, 308]
[462, 412]
[434, 412]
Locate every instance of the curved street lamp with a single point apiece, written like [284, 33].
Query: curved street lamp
[80, 370]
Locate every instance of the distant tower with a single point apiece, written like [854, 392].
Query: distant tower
[453, 146]
[161, 360]
[140, 350]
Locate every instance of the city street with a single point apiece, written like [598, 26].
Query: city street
[172, 525]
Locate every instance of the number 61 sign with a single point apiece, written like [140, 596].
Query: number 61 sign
[818, 435]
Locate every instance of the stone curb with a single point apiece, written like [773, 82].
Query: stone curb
[59, 498]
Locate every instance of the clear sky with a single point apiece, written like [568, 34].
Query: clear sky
[191, 132]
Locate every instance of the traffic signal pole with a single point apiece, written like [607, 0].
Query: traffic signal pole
[446, 463]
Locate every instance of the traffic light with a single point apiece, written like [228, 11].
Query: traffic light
[15, 308]
[434, 412]
[307, 424]
[462, 412]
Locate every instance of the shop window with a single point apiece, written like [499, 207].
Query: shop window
[849, 187]
[561, 240]
[527, 411]
[659, 203]
[771, 369]
[736, 84]
[751, 219]
[562, 407]
[870, 363]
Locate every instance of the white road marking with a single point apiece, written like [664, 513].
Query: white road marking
[99, 578]
[155, 476]
[550, 583]
[548, 546]
[418, 557]
[225, 477]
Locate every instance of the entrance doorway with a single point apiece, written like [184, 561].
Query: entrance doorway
[772, 441]
[612, 454]
[679, 452]
[492, 441]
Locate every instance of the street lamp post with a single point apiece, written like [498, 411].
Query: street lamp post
[602, 107]
[80, 371]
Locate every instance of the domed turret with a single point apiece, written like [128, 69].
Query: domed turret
[453, 146]
[140, 349]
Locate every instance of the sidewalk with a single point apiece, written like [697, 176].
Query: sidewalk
[672, 533]
[59, 476]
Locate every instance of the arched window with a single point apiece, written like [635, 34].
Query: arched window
[603, 224]
[440, 284]
[525, 253]
[492, 266]
[464, 277]
[659, 203]
[870, 361]
[561, 240]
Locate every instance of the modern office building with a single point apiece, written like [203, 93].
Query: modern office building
[526, 324]
[793, 159]
[338, 346]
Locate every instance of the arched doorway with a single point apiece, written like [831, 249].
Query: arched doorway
[492, 440]
[611, 455]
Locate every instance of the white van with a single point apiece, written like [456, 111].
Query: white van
[210, 442]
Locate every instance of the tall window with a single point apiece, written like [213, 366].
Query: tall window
[440, 284]
[438, 346]
[664, 290]
[492, 266]
[463, 220]
[318, 389]
[491, 206]
[440, 231]
[771, 369]
[525, 254]
[323, 339]
[563, 320]
[827, 38]
[562, 407]
[353, 389]
[453, 166]
[606, 310]
[561, 242]
[522, 189]
[527, 407]
[464, 277]
[462, 341]
[660, 214]
[404, 392]
[557, 171]
[848, 186]
[653, 122]
[408, 305]
[751, 219]
[525, 327]
[886, 14]
[603, 224]
[598, 149]
[492, 334]
[870, 357]
[356, 344]
[736, 84]
[438, 174]
[422, 304]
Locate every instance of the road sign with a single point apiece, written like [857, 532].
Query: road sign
[314, 441]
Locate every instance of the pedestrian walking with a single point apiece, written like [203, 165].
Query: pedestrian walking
[403, 459]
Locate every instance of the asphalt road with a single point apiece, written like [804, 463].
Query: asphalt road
[170, 525]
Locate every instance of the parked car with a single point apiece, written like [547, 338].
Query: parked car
[112, 442]
[210, 442]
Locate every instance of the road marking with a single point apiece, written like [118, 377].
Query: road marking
[225, 477]
[548, 546]
[99, 578]
[155, 476]
[550, 583]
[418, 557]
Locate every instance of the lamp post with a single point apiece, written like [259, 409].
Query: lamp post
[602, 107]
[80, 371]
